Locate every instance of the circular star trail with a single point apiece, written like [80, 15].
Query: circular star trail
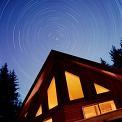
[29, 29]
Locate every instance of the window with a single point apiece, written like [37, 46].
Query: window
[39, 112]
[48, 120]
[107, 106]
[52, 95]
[74, 86]
[101, 108]
[100, 89]
[91, 111]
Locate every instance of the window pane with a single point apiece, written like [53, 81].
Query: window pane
[107, 106]
[52, 95]
[39, 112]
[91, 111]
[100, 89]
[74, 86]
[48, 120]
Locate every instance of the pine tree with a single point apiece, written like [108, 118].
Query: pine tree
[116, 57]
[8, 95]
[104, 62]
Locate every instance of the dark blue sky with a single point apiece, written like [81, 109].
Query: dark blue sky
[29, 29]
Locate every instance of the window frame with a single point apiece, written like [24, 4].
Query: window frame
[99, 108]
[69, 87]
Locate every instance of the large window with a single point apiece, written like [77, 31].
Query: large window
[52, 95]
[97, 109]
[100, 89]
[74, 86]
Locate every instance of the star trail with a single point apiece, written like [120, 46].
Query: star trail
[29, 29]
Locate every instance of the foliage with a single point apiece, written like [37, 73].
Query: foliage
[104, 62]
[9, 96]
[116, 57]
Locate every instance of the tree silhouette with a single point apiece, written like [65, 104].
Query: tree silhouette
[104, 62]
[9, 95]
[116, 57]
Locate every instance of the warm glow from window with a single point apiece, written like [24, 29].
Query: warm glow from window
[107, 107]
[52, 96]
[39, 112]
[97, 109]
[100, 89]
[91, 111]
[48, 120]
[74, 86]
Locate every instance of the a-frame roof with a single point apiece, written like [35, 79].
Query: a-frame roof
[83, 63]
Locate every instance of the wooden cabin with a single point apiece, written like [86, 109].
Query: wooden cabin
[72, 89]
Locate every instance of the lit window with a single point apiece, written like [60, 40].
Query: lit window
[100, 89]
[52, 96]
[48, 120]
[74, 86]
[39, 112]
[106, 107]
[97, 109]
[91, 111]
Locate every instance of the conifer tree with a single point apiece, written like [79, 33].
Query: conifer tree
[8, 95]
[116, 57]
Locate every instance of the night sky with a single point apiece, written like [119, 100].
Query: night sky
[29, 29]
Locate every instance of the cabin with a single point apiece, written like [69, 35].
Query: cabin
[72, 89]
